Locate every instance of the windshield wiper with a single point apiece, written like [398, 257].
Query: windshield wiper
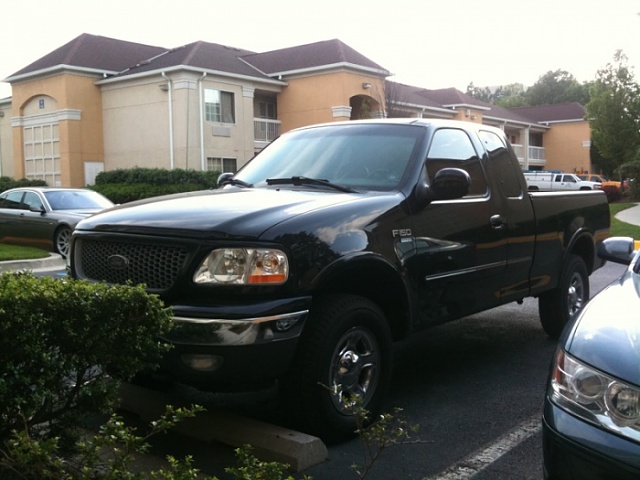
[238, 182]
[308, 181]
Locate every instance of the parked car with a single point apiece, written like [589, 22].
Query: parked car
[552, 181]
[606, 182]
[45, 217]
[591, 420]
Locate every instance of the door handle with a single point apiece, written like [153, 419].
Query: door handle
[497, 222]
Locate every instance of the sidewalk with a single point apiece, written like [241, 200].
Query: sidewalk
[53, 262]
[630, 215]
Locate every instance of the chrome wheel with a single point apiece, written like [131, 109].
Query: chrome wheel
[575, 294]
[354, 369]
[62, 241]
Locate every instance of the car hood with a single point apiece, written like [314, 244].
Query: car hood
[225, 213]
[606, 335]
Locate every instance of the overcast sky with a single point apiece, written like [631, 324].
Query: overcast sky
[426, 43]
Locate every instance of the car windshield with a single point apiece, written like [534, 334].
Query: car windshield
[77, 200]
[359, 157]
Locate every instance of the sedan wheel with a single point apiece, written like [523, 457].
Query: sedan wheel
[62, 241]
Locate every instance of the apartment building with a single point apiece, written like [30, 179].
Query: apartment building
[99, 103]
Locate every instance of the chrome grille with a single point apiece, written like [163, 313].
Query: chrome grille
[157, 266]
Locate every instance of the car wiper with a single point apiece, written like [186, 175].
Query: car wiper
[238, 182]
[308, 181]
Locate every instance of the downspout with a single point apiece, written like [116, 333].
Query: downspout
[170, 93]
[201, 104]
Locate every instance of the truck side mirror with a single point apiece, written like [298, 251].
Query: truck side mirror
[447, 184]
[450, 183]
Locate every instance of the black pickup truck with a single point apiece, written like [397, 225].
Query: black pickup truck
[337, 240]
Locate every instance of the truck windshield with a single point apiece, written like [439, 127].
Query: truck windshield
[359, 157]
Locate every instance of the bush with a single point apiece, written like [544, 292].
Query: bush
[58, 340]
[6, 183]
[125, 185]
[614, 194]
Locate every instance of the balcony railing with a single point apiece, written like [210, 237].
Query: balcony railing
[265, 130]
[536, 155]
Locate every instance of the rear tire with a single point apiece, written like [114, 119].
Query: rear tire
[560, 305]
[345, 351]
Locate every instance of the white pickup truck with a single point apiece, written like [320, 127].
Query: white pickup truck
[551, 181]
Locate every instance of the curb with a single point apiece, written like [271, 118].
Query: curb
[53, 262]
[270, 442]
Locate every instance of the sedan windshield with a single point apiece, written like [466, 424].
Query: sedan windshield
[357, 157]
[77, 200]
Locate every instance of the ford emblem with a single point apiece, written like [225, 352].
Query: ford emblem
[117, 262]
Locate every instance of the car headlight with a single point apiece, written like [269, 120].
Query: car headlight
[243, 266]
[595, 396]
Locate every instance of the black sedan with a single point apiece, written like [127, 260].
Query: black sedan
[591, 420]
[45, 216]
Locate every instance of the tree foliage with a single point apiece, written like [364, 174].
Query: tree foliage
[614, 114]
[555, 87]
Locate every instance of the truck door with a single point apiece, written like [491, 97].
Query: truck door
[460, 247]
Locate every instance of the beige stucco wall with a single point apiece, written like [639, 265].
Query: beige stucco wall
[567, 147]
[6, 141]
[313, 99]
[80, 139]
[139, 131]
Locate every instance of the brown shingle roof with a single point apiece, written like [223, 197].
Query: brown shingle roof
[94, 52]
[200, 55]
[554, 113]
[303, 57]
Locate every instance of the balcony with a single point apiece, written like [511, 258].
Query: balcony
[536, 157]
[264, 131]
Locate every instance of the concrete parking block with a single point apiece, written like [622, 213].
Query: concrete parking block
[270, 442]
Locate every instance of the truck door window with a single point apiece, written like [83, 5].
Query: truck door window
[500, 165]
[451, 147]
[569, 179]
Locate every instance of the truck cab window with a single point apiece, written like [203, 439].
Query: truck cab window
[451, 147]
[500, 165]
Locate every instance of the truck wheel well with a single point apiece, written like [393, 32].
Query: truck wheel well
[377, 284]
[583, 247]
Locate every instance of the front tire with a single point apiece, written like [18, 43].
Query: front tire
[345, 352]
[62, 241]
[559, 306]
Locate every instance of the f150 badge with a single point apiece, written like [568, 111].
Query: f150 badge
[403, 232]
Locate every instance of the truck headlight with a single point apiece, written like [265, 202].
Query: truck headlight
[243, 266]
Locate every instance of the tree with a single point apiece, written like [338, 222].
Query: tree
[483, 94]
[511, 96]
[557, 87]
[614, 114]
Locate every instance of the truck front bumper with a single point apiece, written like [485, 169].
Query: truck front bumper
[239, 347]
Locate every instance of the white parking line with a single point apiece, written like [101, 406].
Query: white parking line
[481, 459]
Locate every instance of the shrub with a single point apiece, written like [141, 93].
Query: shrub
[614, 194]
[6, 183]
[58, 340]
[125, 185]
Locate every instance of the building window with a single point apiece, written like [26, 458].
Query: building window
[221, 164]
[267, 110]
[42, 154]
[219, 106]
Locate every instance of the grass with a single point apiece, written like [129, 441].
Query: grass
[17, 252]
[618, 228]
[622, 229]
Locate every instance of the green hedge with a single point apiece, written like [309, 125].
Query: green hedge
[126, 185]
[58, 340]
[6, 183]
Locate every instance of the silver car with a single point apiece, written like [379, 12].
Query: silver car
[45, 217]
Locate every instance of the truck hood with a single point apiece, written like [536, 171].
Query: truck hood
[225, 213]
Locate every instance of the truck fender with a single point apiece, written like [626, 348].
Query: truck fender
[372, 276]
